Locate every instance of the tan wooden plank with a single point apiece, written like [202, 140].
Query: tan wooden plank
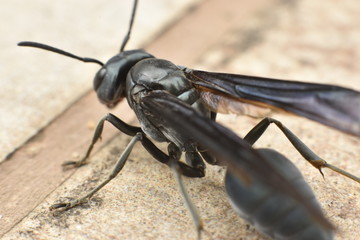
[35, 170]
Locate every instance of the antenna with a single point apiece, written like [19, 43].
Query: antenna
[83, 59]
[58, 51]
[127, 37]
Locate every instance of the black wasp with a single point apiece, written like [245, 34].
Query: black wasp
[178, 105]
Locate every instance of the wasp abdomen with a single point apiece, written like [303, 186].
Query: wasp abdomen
[272, 213]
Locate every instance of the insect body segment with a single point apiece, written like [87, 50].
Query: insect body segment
[161, 75]
[271, 212]
[110, 80]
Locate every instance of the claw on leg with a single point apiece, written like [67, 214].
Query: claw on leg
[74, 164]
[67, 205]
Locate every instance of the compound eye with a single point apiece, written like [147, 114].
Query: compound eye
[99, 78]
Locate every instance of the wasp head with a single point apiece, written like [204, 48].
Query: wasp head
[110, 80]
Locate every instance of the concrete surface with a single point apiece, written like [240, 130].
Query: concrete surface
[34, 89]
[303, 40]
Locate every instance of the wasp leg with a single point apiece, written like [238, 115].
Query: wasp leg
[186, 170]
[174, 156]
[304, 150]
[118, 166]
[189, 171]
[116, 122]
[150, 147]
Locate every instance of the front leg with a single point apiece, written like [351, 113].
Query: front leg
[116, 170]
[181, 168]
[116, 122]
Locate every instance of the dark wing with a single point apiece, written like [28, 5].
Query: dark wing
[334, 106]
[240, 158]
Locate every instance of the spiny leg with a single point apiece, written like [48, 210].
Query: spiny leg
[132, 131]
[118, 166]
[116, 122]
[304, 150]
[175, 154]
[152, 149]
